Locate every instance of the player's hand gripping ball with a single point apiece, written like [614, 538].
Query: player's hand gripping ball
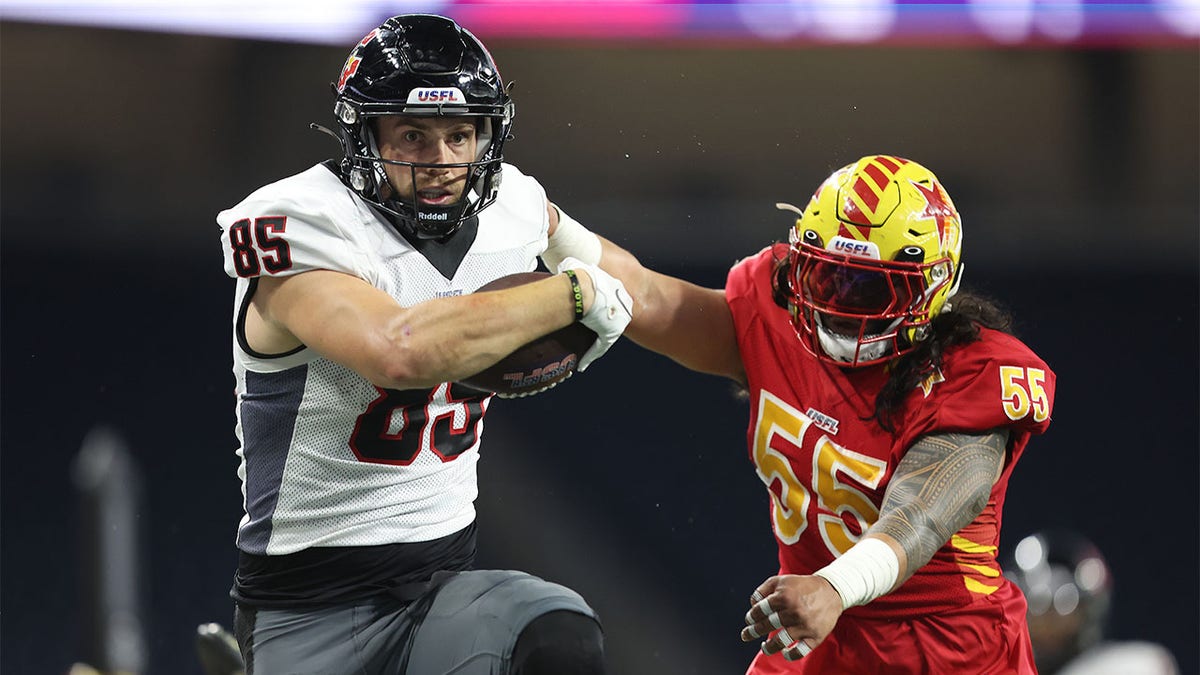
[538, 365]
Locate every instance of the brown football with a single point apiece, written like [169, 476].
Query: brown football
[539, 365]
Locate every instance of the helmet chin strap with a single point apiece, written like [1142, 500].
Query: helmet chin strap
[954, 289]
[381, 177]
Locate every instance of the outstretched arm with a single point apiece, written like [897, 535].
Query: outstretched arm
[676, 318]
[690, 324]
[941, 485]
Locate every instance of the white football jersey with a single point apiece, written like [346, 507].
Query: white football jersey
[327, 458]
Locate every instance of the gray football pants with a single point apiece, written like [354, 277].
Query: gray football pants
[467, 625]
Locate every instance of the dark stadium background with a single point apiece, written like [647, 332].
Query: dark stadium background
[1076, 171]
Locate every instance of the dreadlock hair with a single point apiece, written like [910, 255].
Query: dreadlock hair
[957, 324]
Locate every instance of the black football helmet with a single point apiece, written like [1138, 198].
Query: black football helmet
[421, 65]
[1068, 586]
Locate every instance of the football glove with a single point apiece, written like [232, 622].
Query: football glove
[610, 313]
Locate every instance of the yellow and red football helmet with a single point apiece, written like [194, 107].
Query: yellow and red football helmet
[874, 258]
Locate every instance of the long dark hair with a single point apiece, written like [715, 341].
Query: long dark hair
[956, 325]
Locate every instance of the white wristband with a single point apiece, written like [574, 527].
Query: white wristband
[865, 572]
[571, 240]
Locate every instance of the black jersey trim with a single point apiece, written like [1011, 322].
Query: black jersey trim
[446, 255]
[240, 328]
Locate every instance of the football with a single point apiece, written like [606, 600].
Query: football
[539, 365]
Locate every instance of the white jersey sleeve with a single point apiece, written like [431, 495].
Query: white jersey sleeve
[296, 225]
[521, 200]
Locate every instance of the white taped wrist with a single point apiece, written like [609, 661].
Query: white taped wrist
[571, 240]
[865, 572]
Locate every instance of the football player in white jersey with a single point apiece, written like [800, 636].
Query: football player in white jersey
[354, 319]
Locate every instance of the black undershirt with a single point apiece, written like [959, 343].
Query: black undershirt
[333, 575]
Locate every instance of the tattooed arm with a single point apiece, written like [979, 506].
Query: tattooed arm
[940, 486]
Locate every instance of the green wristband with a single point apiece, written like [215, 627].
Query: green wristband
[576, 293]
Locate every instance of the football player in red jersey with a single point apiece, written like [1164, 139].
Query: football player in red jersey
[887, 413]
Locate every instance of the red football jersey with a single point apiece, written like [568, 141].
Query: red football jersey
[827, 467]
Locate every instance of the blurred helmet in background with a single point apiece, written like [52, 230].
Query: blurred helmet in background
[1068, 585]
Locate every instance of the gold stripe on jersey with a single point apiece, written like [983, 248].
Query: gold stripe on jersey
[973, 584]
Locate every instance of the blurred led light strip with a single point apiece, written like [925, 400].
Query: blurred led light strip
[1102, 23]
